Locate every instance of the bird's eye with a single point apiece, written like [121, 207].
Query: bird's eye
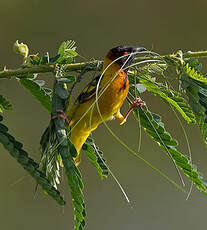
[125, 53]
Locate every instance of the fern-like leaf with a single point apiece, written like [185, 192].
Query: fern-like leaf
[194, 74]
[38, 92]
[67, 52]
[49, 163]
[196, 90]
[15, 149]
[4, 104]
[168, 95]
[155, 129]
[66, 150]
[96, 158]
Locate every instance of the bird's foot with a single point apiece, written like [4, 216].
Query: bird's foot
[136, 103]
[120, 118]
[61, 114]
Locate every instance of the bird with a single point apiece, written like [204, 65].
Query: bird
[102, 99]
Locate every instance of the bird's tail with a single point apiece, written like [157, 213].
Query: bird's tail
[78, 137]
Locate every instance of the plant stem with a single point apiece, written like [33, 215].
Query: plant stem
[23, 71]
[198, 54]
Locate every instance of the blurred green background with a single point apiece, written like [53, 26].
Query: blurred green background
[97, 26]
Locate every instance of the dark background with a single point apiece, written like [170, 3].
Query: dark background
[97, 26]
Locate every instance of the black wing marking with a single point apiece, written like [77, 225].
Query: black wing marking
[89, 91]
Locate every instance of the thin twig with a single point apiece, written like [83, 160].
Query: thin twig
[87, 66]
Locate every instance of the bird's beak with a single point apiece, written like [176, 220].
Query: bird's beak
[133, 50]
[137, 49]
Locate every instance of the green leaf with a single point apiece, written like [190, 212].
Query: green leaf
[47, 91]
[196, 90]
[70, 77]
[44, 60]
[96, 158]
[194, 74]
[61, 91]
[40, 82]
[64, 60]
[67, 153]
[65, 46]
[38, 92]
[34, 59]
[67, 79]
[168, 95]
[67, 52]
[50, 158]
[141, 88]
[16, 151]
[156, 130]
[54, 59]
[4, 104]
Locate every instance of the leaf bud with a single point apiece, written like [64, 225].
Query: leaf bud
[21, 48]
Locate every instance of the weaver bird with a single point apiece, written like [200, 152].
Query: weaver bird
[103, 97]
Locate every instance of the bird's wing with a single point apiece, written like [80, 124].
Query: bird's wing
[89, 91]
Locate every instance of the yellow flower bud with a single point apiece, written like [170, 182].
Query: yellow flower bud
[21, 48]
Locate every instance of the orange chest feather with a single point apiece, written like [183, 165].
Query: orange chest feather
[115, 78]
[112, 93]
[114, 90]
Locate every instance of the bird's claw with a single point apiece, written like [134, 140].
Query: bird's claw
[136, 102]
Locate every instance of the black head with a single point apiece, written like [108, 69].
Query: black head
[124, 54]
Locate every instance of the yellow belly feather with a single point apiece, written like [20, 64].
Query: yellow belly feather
[85, 117]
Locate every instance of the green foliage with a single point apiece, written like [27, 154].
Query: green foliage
[96, 158]
[15, 148]
[66, 151]
[67, 52]
[194, 74]
[155, 129]
[67, 79]
[34, 59]
[146, 78]
[50, 158]
[35, 88]
[195, 87]
[190, 100]
[65, 55]
[166, 93]
[4, 104]
[56, 147]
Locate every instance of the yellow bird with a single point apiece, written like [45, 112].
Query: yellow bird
[103, 97]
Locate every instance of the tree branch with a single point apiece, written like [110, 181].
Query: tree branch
[87, 66]
[24, 71]
[198, 54]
